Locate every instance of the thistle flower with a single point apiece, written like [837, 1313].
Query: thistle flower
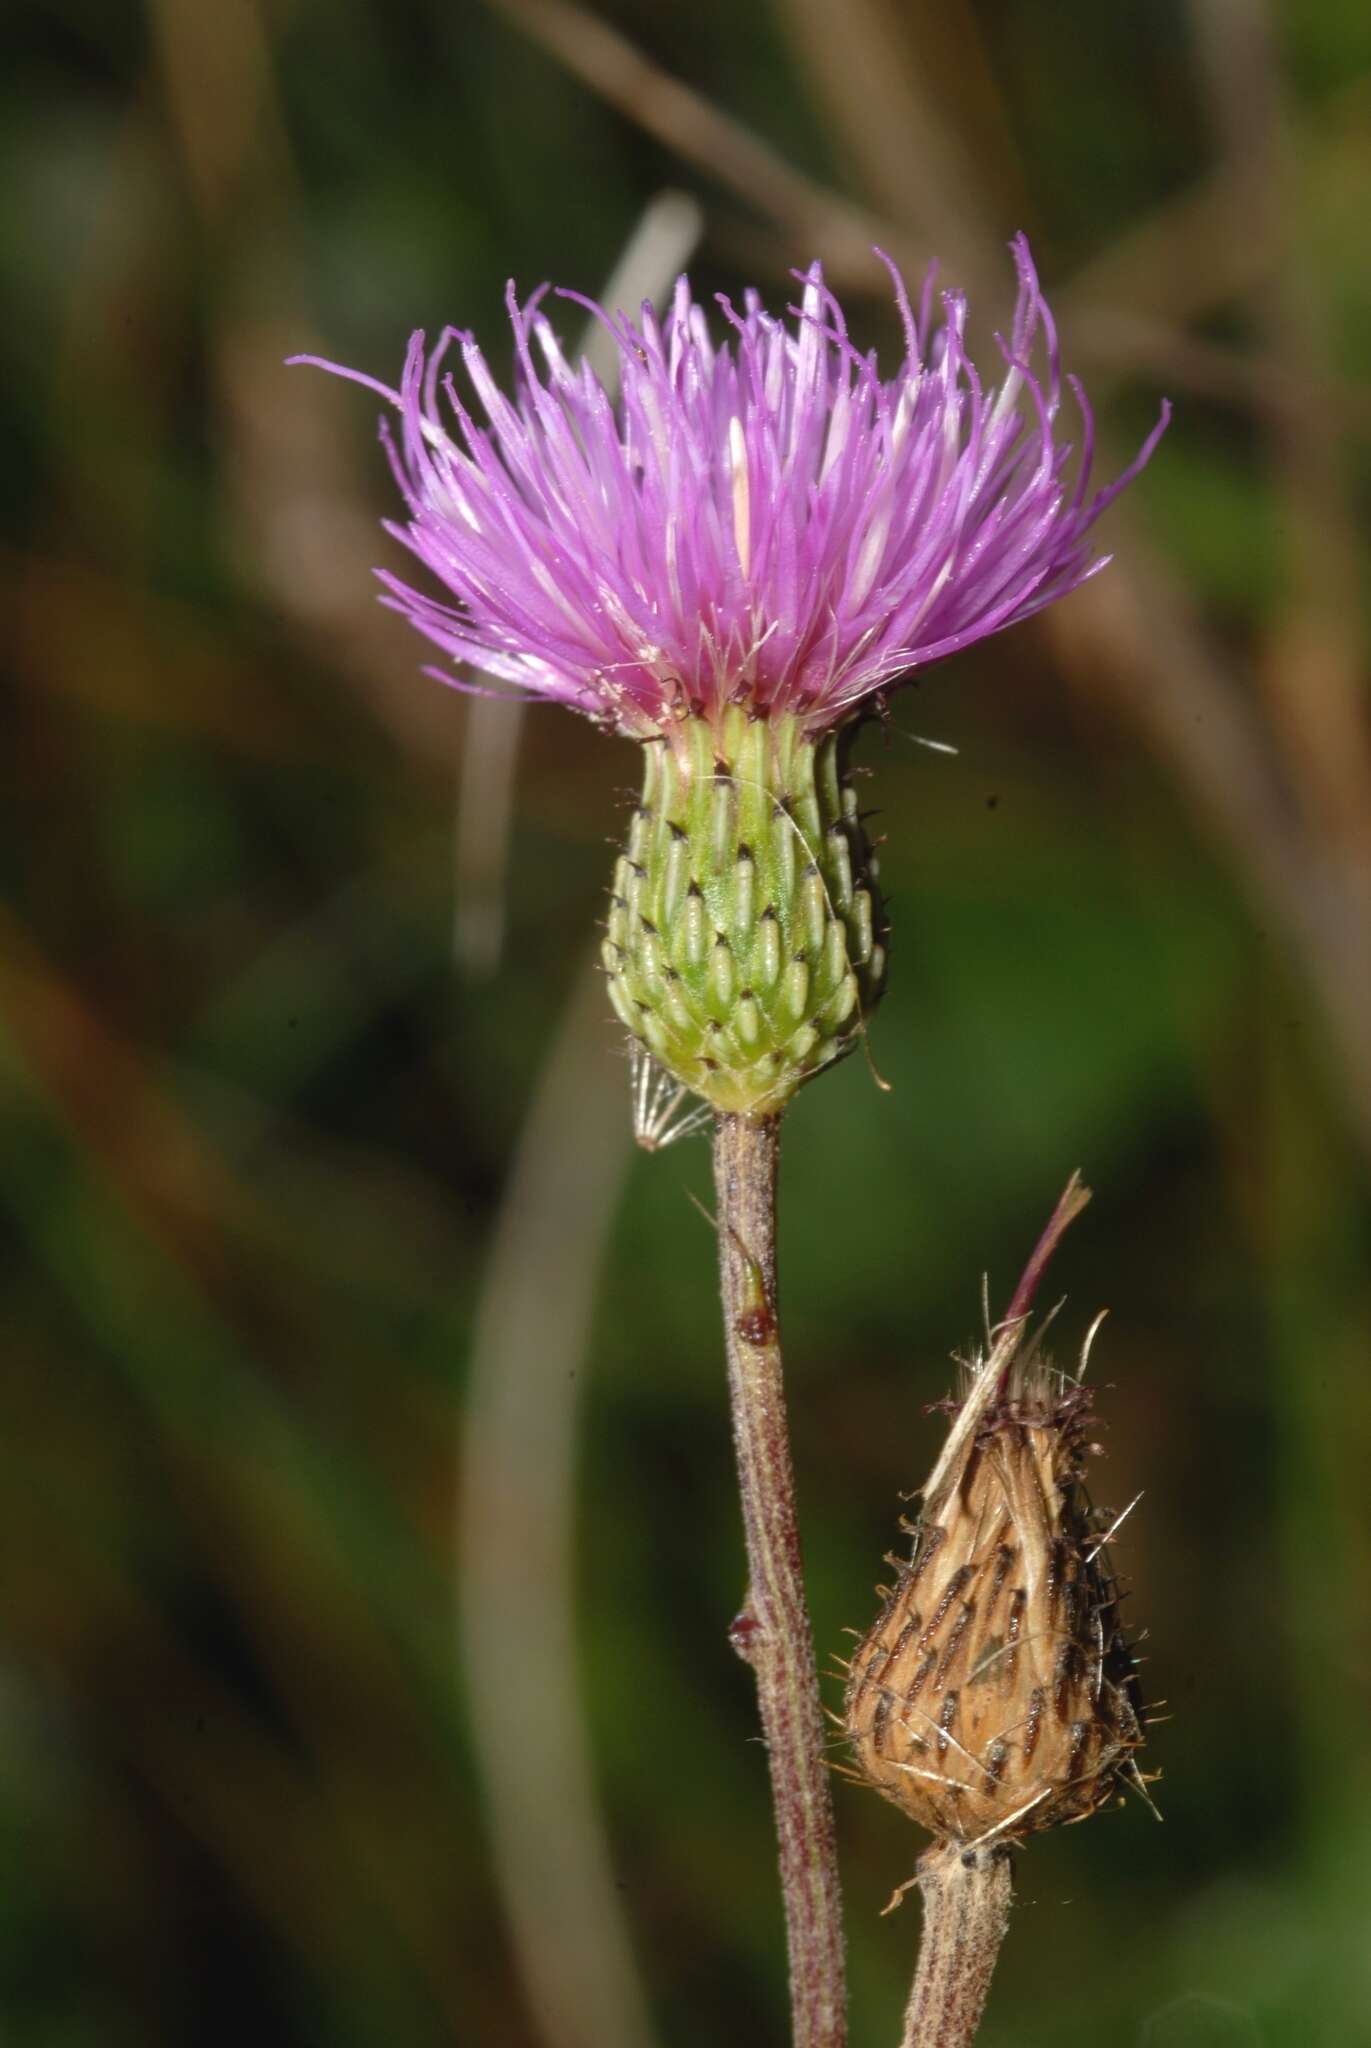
[729, 564]
[996, 1694]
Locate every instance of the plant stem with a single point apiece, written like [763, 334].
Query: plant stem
[966, 1894]
[772, 1633]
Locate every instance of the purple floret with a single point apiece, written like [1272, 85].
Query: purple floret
[763, 522]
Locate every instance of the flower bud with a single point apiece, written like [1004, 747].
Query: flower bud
[746, 941]
[996, 1694]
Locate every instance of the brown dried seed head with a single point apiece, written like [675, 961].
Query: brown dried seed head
[996, 1693]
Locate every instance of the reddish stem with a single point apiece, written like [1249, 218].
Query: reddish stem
[966, 1894]
[773, 1632]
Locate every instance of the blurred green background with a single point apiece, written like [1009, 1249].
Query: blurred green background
[297, 1297]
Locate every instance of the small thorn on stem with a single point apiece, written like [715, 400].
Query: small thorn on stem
[743, 1631]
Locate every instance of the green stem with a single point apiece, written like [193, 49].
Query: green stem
[772, 1633]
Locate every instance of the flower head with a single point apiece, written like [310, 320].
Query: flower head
[764, 522]
[996, 1694]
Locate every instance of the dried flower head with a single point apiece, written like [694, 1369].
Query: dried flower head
[765, 522]
[996, 1694]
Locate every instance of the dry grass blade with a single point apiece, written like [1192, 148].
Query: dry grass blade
[909, 157]
[1312, 670]
[292, 495]
[1132, 638]
[702, 134]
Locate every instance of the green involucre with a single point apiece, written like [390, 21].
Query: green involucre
[746, 936]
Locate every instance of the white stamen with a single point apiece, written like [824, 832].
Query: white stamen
[904, 413]
[742, 504]
[872, 551]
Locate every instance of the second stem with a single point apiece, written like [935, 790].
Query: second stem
[773, 1630]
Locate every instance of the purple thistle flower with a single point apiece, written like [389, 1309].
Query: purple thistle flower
[764, 522]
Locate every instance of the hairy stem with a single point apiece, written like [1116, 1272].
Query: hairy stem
[966, 1895]
[773, 1632]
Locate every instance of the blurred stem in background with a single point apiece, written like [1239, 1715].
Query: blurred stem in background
[1312, 1266]
[517, 1542]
